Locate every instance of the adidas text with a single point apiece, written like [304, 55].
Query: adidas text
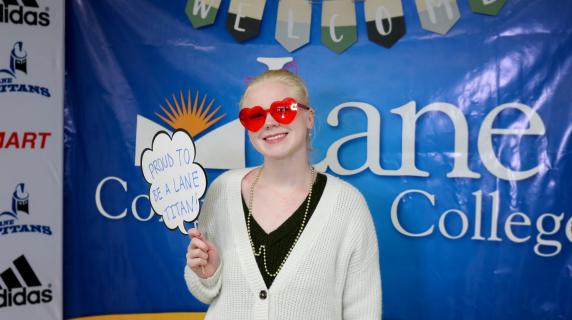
[24, 296]
[23, 15]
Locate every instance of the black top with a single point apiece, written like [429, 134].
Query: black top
[279, 241]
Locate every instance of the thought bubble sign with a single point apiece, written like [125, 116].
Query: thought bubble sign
[177, 182]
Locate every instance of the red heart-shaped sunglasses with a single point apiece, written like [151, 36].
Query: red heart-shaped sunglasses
[283, 111]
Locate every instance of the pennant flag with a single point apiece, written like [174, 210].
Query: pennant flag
[202, 12]
[488, 7]
[438, 16]
[384, 21]
[339, 30]
[293, 23]
[244, 18]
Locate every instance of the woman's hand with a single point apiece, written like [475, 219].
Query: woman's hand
[202, 255]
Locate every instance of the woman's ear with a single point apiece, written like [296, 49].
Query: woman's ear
[310, 118]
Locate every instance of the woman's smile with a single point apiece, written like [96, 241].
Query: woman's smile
[275, 137]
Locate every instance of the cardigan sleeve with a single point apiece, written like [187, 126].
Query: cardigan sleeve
[206, 290]
[362, 290]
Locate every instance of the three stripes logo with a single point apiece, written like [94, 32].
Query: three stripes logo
[24, 12]
[24, 289]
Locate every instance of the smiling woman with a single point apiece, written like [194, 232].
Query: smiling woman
[286, 97]
[304, 245]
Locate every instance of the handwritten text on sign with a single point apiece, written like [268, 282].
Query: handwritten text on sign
[177, 182]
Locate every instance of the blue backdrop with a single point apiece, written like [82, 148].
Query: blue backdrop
[124, 59]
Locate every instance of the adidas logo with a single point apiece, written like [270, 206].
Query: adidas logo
[16, 293]
[28, 12]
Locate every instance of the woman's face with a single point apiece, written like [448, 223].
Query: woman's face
[275, 140]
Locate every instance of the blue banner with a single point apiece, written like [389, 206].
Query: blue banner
[460, 143]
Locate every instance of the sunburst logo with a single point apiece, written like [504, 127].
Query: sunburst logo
[188, 114]
[220, 148]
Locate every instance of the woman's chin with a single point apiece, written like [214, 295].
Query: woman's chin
[270, 154]
[274, 152]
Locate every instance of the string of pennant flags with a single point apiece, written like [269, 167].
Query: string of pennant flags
[385, 22]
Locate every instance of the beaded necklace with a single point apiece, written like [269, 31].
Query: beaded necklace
[262, 248]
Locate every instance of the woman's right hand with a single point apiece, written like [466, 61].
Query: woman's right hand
[202, 255]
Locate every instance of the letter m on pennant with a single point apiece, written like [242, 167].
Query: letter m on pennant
[438, 16]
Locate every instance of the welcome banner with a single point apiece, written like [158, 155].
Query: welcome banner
[460, 143]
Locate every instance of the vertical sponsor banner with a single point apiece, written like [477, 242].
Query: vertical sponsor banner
[438, 16]
[31, 148]
[202, 12]
[384, 21]
[244, 18]
[293, 23]
[339, 30]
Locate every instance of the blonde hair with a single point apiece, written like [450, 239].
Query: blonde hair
[284, 76]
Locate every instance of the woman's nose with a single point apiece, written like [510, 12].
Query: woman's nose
[270, 121]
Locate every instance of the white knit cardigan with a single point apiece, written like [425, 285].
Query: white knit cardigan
[332, 272]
